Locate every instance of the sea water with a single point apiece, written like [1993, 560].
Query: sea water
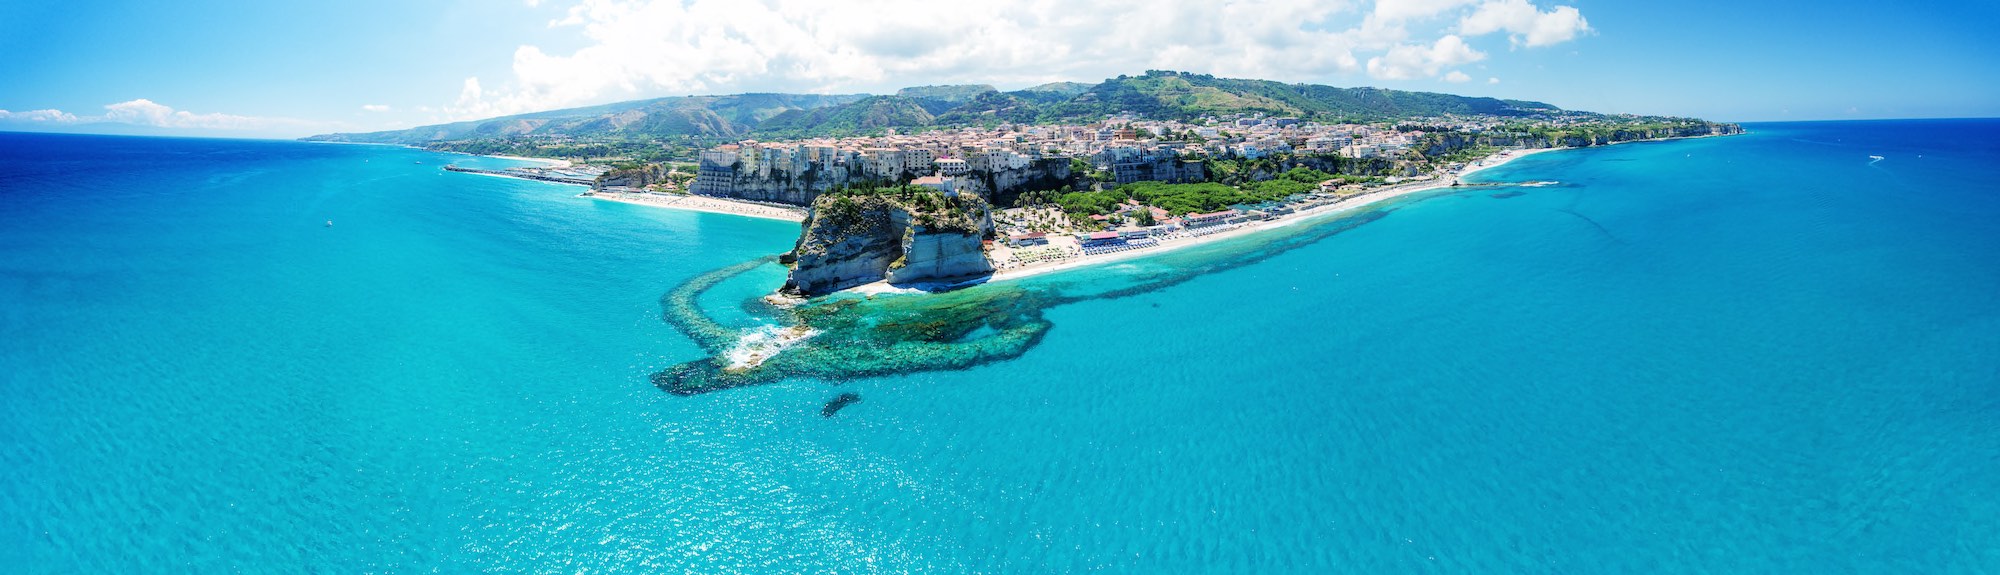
[1760, 353]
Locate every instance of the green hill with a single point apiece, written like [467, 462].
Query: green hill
[1156, 94]
[708, 116]
[862, 116]
[1164, 95]
[952, 94]
[1062, 90]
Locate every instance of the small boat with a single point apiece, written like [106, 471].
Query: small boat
[329, 223]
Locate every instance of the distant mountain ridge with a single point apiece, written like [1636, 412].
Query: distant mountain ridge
[708, 116]
[1156, 94]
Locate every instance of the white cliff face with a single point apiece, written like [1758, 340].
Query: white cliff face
[801, 188]
[931, 256]
[870, 239]
[834, 253]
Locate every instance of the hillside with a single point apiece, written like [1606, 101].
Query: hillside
[1156, 94]
[711, 116]
[946, 93]
[865, 115]
[1176, 95]
[1059, 89]
[1159, 95]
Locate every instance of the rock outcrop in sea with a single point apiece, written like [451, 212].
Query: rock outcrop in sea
[901, 235]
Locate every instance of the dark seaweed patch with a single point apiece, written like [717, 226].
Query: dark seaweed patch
[839, 403]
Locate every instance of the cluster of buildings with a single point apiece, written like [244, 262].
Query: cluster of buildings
[1126, 147]
[894, 158]
[1020, 246]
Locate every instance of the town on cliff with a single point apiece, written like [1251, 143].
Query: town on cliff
[947, 207]
[940, 185]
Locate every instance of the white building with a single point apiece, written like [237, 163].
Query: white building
[952, 167]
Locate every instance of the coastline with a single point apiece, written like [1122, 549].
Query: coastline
[546, 162]
[694, 203]
[1313, 215]
[685, 202]
[551, 162]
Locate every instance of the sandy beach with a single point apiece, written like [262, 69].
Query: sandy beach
[703, 204]
[1312, 215]
[549, 163]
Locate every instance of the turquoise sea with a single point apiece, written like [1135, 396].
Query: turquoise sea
[1768, 353]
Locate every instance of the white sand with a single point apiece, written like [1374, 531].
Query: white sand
[703, 204]
[556, 164]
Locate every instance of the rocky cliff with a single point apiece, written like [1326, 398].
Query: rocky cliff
[639, 177]
[802, 187]
[1002, 187]
[902, 236]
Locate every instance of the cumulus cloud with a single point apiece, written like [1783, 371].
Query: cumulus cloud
[632, 48]
[39, 116]
[375, 107]
[1407, 61]
[1457, 77]
[1492, 80]
[1397, 10]
[144, 112]
[1523, 23]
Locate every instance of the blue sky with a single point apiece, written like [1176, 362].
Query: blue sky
[286, 69]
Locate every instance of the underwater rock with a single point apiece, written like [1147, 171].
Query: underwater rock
[839, 403]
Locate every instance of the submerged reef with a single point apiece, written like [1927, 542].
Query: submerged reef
[838, 403]
[845, 336]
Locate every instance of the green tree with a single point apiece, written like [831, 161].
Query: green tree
[1144, 217]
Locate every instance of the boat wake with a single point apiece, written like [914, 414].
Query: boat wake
[1873, 159]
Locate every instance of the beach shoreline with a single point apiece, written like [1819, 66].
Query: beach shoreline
[694, 203]
[1312, 215]
[551, 162]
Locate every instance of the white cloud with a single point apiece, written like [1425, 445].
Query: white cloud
[1397, 10]
[637, 48]
[1492, 80]
[1524, 23]
[375, 107]
[1457, 77]
[1407, 61]
[38, 117]
[144, 112]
